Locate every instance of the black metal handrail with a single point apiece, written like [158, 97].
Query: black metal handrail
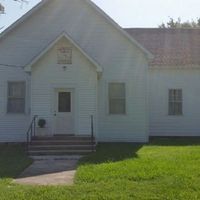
[92, 132]
[31, 130]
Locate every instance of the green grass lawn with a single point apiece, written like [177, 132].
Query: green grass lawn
[164, 169]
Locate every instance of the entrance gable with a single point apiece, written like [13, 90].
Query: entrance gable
[56, 41]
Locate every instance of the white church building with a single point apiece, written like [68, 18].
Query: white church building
[66, 60]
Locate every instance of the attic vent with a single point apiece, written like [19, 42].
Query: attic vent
[64, 55]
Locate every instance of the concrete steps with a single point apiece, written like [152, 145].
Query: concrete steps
[61, 145]
[57, 137]
[61, 142]
[59, 152]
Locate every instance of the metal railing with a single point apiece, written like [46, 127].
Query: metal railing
[31, 131]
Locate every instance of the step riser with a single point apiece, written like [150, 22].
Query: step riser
[35, 148]
[57, 154]
[60, 143]
[62, 138]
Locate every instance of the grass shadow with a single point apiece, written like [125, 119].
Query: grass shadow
[174, 141]
[112, 152]
[13, 160]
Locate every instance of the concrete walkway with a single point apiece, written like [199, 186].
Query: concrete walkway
[50, 171]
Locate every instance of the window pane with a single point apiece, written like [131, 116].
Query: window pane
[171, 109]
[16, 89]
[178, 108]
[64, 102]
[117, 106]
[175, 95]
[171, 95]
[175, 102]
[117, 90]
[16, 97]
[178, 96]
[16, 105]
[117, 98]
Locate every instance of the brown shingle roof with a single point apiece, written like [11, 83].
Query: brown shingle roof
[171, 47]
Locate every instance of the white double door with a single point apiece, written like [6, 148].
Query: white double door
[64, 112]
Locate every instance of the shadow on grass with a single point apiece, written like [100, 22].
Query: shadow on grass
[112, 152]
[13, 160]
[174, 141]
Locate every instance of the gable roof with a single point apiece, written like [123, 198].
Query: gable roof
[49, 46]
[109, 19]
[23, 18]
[146, 51]
[170, 47]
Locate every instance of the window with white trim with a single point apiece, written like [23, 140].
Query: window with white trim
[117, 98]
[16, 97]
[175, 102]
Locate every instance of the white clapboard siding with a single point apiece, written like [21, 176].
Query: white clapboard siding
[91, 31]
[13, 127]
[161, 80]
[120, 59]
[81, 75]
[132, 127]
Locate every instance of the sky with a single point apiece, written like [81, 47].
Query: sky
[127, 13]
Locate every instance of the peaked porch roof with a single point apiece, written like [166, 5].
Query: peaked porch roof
[99, 69]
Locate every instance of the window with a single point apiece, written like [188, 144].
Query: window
[64, 102]
[16, 97]
[175, 102]
[117, 98]
[64, 55]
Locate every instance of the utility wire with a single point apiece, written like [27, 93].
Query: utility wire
[14, 66]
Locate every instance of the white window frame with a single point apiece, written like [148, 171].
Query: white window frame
[25, 92]
[176, 100]
[108, 98]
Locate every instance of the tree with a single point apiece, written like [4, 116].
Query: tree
[2, 9]
[179, 24]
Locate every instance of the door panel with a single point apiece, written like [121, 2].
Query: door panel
[64, 112]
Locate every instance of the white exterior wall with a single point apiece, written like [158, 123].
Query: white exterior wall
[161, 80]
[131, 69]
[120, 59]
[47, 76]
[13, 127]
